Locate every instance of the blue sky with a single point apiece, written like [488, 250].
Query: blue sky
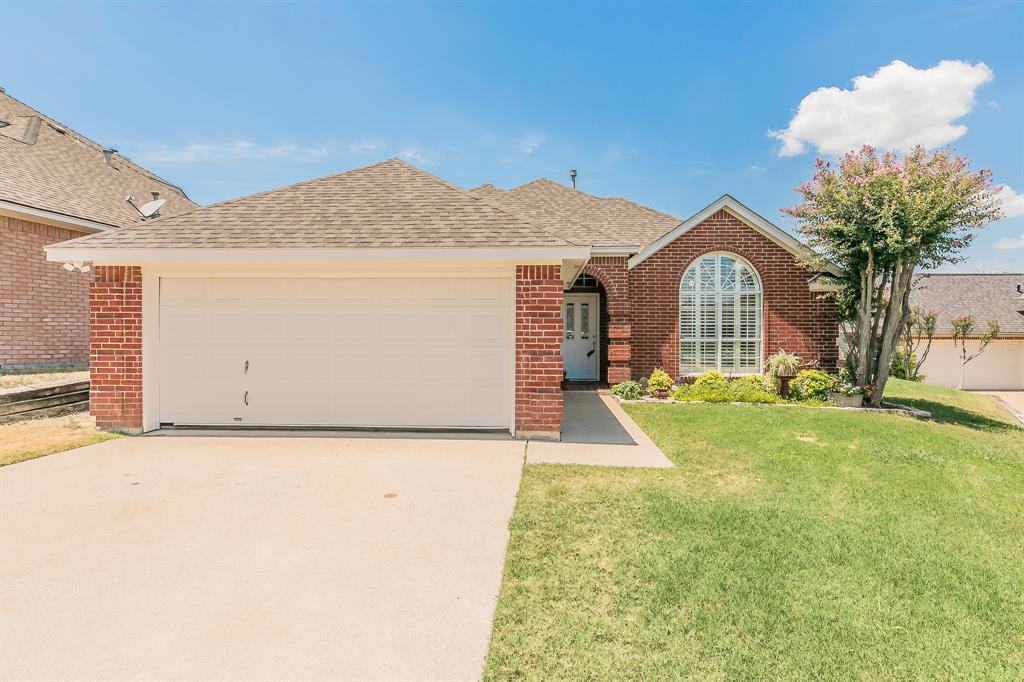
[668, 105]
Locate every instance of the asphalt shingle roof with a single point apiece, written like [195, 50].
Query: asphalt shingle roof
[387, 204]
[48, 166]
[611, 221]
[985, 297]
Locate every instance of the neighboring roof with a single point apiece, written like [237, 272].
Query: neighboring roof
[736, 208]
[385, 205]
[609, 221]
[47, 166]
[984, 297]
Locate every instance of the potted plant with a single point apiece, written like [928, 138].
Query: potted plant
[845, 393]
[783, 366]
[659, 384]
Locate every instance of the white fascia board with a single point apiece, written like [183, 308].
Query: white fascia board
[50, 218]
[614, 250]
[746, 215]
[523, 255]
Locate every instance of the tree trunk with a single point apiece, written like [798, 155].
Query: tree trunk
[895, 319]
[864, 345]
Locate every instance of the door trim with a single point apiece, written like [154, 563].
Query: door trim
[595, 300]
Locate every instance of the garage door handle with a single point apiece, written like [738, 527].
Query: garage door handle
[245, 398]
[246, 370]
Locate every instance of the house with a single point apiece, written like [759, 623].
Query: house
[56, 184]
[387, 297]
[996, 297]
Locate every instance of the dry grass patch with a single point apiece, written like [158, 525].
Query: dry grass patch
[37, 437]
[41, 378]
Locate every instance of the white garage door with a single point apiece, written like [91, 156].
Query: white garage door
[336, 352]
[999, 368]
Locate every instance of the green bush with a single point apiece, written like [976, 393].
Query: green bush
[711, 380]
[628, 390]
[901, 365]
[812, 384]
[659, 381]
[713, 387]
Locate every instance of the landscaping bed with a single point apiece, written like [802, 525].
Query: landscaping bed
[796, 543]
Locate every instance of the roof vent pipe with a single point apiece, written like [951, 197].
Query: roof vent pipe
[108, 156]
[572, 176]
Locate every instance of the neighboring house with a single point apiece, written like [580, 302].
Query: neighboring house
[386, 297]
[984, 297]
[57, 185]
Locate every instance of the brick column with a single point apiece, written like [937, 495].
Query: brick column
[613, 274]
[538, 352]
[115, 348]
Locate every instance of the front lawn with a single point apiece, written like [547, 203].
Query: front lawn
[33, 438]
[788, 542]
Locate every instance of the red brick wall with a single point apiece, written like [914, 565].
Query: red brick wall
[538, 351]
[794, 318]
[44, 309]
[115, 359]
[613, 274]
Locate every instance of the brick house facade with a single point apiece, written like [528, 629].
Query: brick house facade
[638, 289]
[640, 305]
[44, 309]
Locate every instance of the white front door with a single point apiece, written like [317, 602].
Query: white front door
[397, 352]
[580, 337]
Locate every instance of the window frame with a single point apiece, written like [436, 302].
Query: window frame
[698, 339]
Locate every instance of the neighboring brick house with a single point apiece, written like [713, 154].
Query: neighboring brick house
[384, 297]
[57, 185]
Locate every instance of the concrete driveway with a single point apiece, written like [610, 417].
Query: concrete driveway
[254, 558]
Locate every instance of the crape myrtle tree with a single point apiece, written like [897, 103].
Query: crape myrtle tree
[878, 218]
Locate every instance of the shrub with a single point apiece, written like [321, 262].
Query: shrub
[812, 384]
[713, 387]
[628, 390]
[711, 380]
[752, 389]
[902, 365]
[659, 381]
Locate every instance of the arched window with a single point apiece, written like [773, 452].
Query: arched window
[720, 316]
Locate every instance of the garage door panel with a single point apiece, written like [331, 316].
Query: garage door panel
[338, 352]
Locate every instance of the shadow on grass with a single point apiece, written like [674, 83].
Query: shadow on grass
[949, 414]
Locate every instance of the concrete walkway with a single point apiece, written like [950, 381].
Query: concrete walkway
[597, 431]
[254, 558]
[1014, 400]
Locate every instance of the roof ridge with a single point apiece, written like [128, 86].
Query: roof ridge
[458, 189]
[268, 191]
[96, 146]
[519, 202]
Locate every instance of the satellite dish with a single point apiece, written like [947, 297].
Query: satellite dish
[151, 208]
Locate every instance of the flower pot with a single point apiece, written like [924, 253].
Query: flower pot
[843, 400]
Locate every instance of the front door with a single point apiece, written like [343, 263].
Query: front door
[580, 340]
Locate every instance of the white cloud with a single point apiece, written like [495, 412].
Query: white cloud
[1012, 202]
[417, 156]
[1009, 243]
[756, 169]
[197, 152]
[895, 108]
[524, 147]
[364, 147]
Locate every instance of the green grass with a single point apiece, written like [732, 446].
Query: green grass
[788, 543]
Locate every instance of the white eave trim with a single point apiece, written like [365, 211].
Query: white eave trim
[51, 218]
[756, 222]
[522, 255]
[614, 250]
